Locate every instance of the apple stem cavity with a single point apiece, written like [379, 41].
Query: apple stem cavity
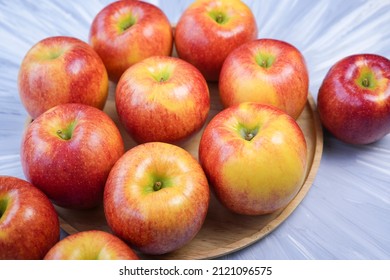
[219, 17]
[162, 76]
[265, 60]
[55, 54]
[157, 186]
[126, 23]
[248, 134]
[3, 206]
[367, 79]
[66, 134]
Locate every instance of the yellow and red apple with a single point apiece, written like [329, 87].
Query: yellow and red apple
[162, 99]
[254, 156]
[59, 70]
[354, 99]
[126, 32]
[156, 197]
[268, 71]
[29, 224]
[208, 30]
[91, 245]
[68, 152]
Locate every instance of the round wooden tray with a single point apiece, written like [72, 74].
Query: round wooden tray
[223, 232]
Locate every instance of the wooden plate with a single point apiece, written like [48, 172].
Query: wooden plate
[223, 232]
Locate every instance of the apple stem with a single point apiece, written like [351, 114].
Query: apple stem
[157, 186]
[249, 136]
[63, 135]
[219, 18]
[366, 83]
[67, 132]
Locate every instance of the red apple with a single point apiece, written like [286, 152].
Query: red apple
[354, 99]
[68, 151]
[126, 32]
[29, 225]
[208, 30]
[162, 99]
[156, 197]
[60, 70]
[91, 245]
[268, 71]
[254, 156]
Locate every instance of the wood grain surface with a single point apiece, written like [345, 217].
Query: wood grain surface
[223, 232]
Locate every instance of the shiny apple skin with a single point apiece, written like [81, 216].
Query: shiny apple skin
[29, 224]
[59, 70]
[205, 43]
[91, 245]
[151, 34]
[284, 84]
[72, 173]
[257, 176]
[351, 112]
[161, 221]
[168, 111]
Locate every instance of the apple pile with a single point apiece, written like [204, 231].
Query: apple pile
[252, 154]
